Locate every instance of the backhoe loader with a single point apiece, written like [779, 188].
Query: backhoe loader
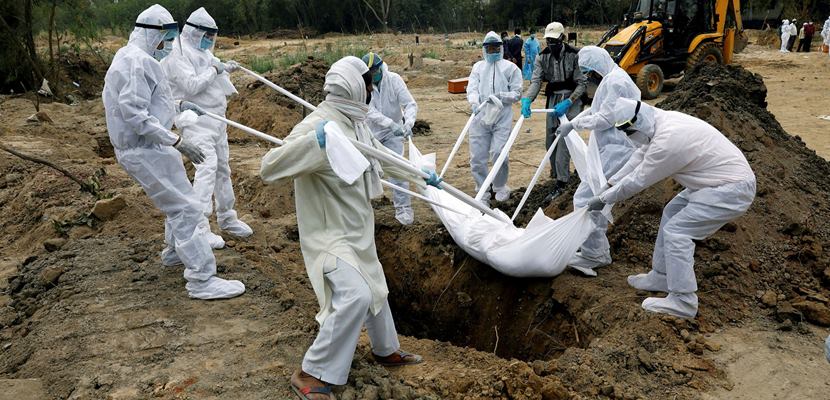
[661, 39]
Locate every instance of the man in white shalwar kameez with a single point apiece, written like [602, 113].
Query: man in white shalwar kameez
[337, 238]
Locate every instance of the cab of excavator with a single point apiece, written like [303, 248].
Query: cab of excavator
[682, 20]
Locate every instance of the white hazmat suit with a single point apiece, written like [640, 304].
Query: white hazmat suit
[492, 89]
[392, 105]
[719, 187]
[785, 35]
[614, 147]
[193, 78]
[825, 32]
[139, 113]
[336, 224]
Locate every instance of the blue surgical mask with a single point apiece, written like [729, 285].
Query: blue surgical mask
[377, 76]
[492, 57]
[159, 54]
[206, 43]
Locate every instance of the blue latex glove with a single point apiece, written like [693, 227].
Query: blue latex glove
[321, 133]
[397, 130]
[433, 179]
[526, 107]
[595, 204]
[562, 107]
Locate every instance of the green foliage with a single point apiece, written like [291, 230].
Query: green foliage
[431, 53]
[262, 65]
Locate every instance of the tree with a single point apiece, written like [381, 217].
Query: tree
[383, 17]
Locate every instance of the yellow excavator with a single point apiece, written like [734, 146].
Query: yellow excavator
[661, 39]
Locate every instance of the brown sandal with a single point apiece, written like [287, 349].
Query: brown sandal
[398, 359]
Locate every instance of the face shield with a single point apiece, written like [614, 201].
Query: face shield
[169, 33]
[207, 37]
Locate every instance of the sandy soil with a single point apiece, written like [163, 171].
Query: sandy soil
[87, 311]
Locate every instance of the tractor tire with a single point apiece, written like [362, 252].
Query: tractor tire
[650, 81]
[706, 52]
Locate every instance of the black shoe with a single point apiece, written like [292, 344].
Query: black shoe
[557, 191]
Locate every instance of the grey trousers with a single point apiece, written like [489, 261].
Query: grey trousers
[560, 160]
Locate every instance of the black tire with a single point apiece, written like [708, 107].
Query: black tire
[650, 81]
[706, 52]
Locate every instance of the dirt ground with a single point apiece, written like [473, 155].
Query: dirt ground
[88, 312]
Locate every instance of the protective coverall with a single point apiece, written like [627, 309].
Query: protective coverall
[785, 36]
[719, 187]
[825, 32]
[490, 83]
[193, 78]
[336, 224]
[392, 104]
[531, 51]
[139, 113]
[560, 69]
[614, 147]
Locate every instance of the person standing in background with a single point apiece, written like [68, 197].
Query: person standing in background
[515, 45]
[531, 47]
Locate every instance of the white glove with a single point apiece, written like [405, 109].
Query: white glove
[397, 130]
[219, 65]
[231, 66]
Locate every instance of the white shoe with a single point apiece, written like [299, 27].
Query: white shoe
[214, 288]
[652, 282]
[586, 264]
[169, 258]
[404, 215]
[503, 194]
[681, 305]
[237, 228]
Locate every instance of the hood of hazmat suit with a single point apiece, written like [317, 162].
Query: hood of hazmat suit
[640, 117]
[391, 104]
[335, 219]
[191, 72]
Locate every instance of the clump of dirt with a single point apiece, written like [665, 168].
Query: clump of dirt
[770, 262]
[421, 128]
[266, 110]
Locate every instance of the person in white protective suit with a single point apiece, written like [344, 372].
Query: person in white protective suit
[614, 147]
[494, 85]
[139, 112]
[825, 33]
[719, 187]
[785, 35]
[197, 76]
[337, 238]
[392, 113]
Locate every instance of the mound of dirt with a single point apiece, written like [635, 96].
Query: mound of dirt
[771, 262]
[266, 110]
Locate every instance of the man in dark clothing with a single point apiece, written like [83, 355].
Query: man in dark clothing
[807, 40]
[558, 66]
[506, 53]
[514, 47]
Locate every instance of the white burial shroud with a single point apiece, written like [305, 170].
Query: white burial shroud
[545, 246]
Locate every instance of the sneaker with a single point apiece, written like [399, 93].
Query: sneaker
[557, 191]
[680, 305]
[214, 288]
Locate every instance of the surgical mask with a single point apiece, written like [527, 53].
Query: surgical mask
[206, 43]
[492, 57]
[377, 76]
[159, 54]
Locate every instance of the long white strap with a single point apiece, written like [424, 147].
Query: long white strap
[457, 145]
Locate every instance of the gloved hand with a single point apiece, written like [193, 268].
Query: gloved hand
[321, 133]
[185, 105]
[562, 107]
[220, 66]
[433, 179]
[407, 132]
[397, 129]
[190, 150]
[564, 129]
[595, 204]
[231, 66]
[475, 108]
[526, 107]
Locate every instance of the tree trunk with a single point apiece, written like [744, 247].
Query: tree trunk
[51, 32]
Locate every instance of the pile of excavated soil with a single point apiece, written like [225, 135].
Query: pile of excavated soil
[771, 262]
